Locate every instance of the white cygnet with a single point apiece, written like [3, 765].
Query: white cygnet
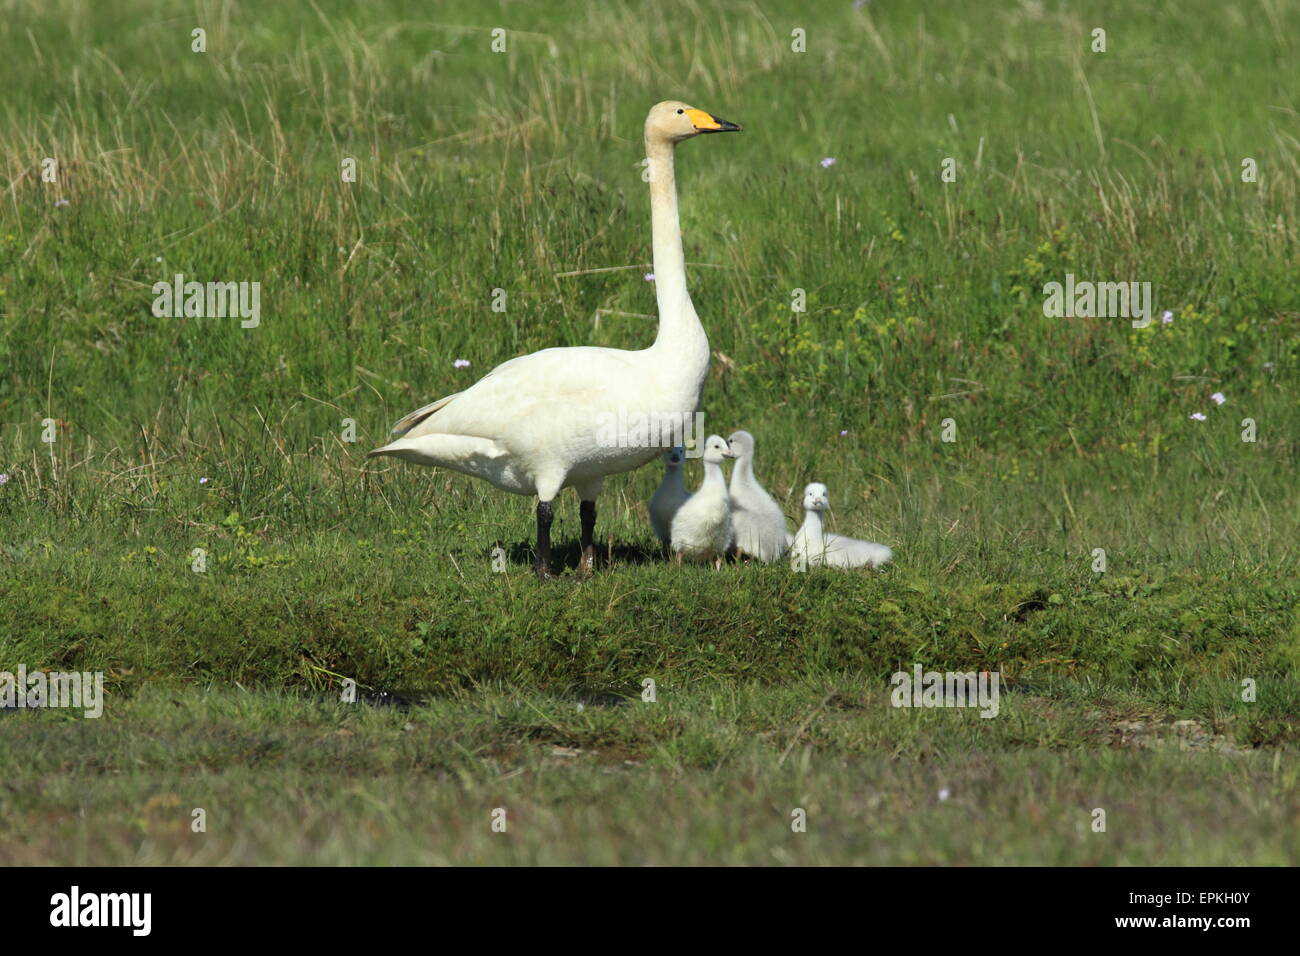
[757, 518]
[669, 496]
[817, 547]
[701, 529]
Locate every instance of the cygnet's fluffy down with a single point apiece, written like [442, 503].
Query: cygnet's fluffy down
[669, 496]
[757, 518]
[819, 548]
[701, 529]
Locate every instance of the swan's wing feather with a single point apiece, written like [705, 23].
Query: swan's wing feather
[408, 422]
[530, 389]
[420, 414]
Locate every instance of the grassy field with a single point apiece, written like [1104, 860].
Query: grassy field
[520, 171]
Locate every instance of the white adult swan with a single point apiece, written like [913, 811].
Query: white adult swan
[758, 519]
[701, 529]
[818, 547]
[669, 496]
[571, 416]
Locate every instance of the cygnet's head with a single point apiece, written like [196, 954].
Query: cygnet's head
[672, 122]
[742, 445]
[716, 449]
[815, 498]
[674, 457]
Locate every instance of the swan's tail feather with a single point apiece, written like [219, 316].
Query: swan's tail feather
[480, 457]
[434, 450]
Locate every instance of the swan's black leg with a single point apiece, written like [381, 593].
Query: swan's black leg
[544, 518]
[587, 564]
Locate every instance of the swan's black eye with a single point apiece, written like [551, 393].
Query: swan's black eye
[680, 112]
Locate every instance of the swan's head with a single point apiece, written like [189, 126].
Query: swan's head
[742, 445]
[674, 457]
[716, 449]
[815, 498]
[672, 122]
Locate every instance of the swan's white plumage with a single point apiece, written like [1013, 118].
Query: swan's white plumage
[757, 518]
[567, 416]
[817, 547]
[544, 421]
[669, 496]
[701, 529]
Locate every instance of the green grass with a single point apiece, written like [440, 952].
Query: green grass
[697, 777]
[519, 171]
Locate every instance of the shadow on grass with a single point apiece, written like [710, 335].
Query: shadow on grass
[565, 555]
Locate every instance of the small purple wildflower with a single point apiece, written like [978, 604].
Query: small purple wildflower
[4, 479]
[460, 363]
[60, 203]
[828, 162]
[649, 277]
[945, 793]
[1219, 398]
[1196, 417]
[1167, 318]
[844, 432]
[203, 480]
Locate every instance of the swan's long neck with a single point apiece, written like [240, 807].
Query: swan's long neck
[681, 337]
